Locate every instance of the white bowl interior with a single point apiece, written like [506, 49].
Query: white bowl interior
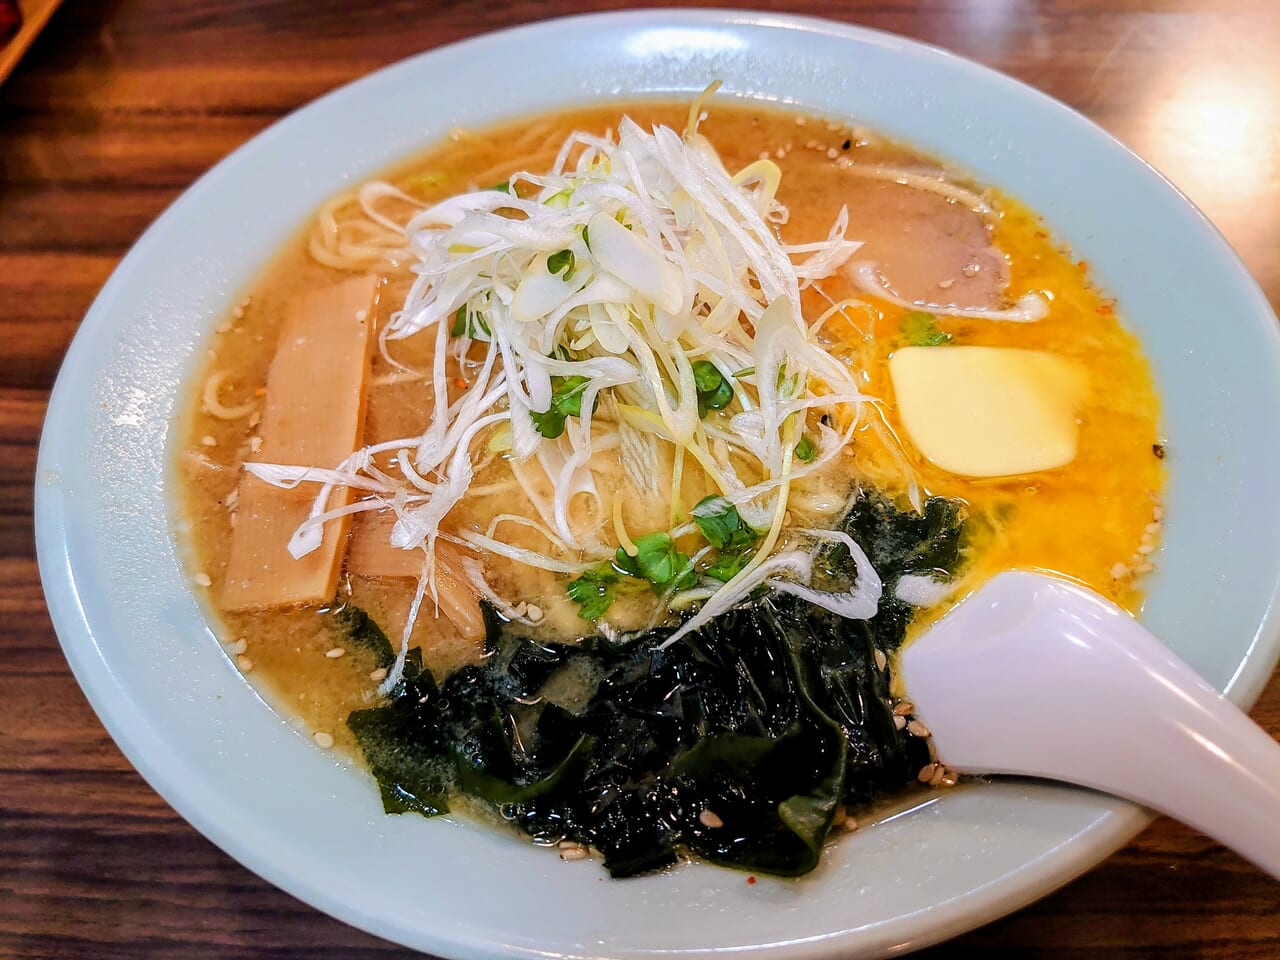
[137, 637]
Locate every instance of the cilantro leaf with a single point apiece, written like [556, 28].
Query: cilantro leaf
[720, 523]
[658, 561]
[728, 565]
[920, 331]
[593, 592]
[566, 401]
[805, 450]
[715, 392]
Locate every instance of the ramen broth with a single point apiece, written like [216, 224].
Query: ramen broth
[1093, 520]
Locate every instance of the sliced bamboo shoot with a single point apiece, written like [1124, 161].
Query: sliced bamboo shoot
[313, 415]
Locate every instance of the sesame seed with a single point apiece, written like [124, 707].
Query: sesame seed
[904, 708]
[800, 121]
[576, 852]
[849, 823]
[334, 653]
[240, 646]
[362, 315]
[377, 676]
[832, 153]
[520, 609]
[926, 772]
[970, 269]
[1157, 512]
[244, 663]
[1143, 567]
[918, 729]
[255, 444]
[850, 452]
[899, 723]
[238, 313]
[708, 819]
[1146, 548]
[881, 660]
[1119, 571]
[533, 612]
[786, 519]
[322, 739]
[208, 440]
[946, 284]
[1153, 527]
[203, 579]
[224, 327]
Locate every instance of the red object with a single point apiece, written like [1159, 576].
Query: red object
[10, 20]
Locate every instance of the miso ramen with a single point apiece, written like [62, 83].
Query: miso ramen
[590, 470]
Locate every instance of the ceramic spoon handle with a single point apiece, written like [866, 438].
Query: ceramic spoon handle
[1071, 688]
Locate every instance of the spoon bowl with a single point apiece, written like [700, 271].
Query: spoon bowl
[1036, 676]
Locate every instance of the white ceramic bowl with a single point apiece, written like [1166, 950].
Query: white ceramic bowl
[139, 642]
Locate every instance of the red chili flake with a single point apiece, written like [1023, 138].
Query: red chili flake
[460, 383]
[1083, 265]
[751, 879]
[1104, 308]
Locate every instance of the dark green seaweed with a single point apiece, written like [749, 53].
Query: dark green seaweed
[737, 743]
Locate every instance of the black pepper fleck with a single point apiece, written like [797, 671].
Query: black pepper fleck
[846, 145]
[1158, 450]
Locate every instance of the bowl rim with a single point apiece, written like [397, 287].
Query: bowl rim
[142, 744]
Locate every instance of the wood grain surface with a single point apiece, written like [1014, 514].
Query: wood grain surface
[120, 104]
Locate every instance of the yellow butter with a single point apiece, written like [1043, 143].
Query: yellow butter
[989, 411]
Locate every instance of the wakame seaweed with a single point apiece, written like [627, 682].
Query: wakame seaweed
[738, 743]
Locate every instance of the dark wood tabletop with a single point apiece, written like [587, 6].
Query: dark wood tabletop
[121, 104]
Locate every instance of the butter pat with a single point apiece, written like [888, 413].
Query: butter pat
[989, 411]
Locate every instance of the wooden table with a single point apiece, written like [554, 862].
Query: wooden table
[122, 103]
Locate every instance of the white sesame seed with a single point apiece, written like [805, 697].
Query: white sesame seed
[926, 772]
[244, 663]
[881, 660]
[1146, 548]
[208, 440]
[520, 609]
[377, 676]
[334, 653]
[255, 444]
[224, 327]
[1153, 527]
[533, 612]
[832, 153]
[322, 739]
[708, 819]
[203, 579]
[1143, 567]
[573, 853]
[1118, 571]
[362, 315]
[238, 313]
[946, 284]
[240, 646]
[899, 723]
[1157, 512]
[918, 729]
